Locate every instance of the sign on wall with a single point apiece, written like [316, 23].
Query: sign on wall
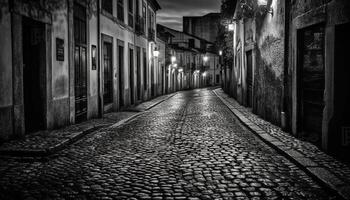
[93, 57]
[59, 49]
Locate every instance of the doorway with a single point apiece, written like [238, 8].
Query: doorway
[80, 65]
[121, 72]
[249, 78]
[34, 74]
[145, 70]
[108, 73]
[340, 137]
[138, 68]
[311, 83]
[152, 79]
[131, 74]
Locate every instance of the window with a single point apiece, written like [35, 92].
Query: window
[137, 7]
[144, 12]
[107, 5]
[150, 20]
[120, 10]
[151, 32]
[191, 43]
[131, 13]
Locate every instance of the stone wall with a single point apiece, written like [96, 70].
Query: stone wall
[304, 14]
[268, 76]
[6, 100]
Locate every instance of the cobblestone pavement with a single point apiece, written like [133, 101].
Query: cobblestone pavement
[188, 147]
[341, 170]
[43, 141]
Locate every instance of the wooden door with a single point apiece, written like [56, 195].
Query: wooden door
[34, 74]
[339, 138]
[249, 78]
[108, 73]
[138, 68]
[131, 74]
[80, 65]
[121, 72]
[312, 82]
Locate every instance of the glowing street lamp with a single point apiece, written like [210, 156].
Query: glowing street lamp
[231, 27]
[205, 58]
[156, 52]
[220, 52]
[173, 59]
[262, 2]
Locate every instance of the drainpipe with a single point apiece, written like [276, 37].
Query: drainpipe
[284, 117]
[100, 106]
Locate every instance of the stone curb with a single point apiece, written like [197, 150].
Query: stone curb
[159, 102]
[319, 173]
[75, 137]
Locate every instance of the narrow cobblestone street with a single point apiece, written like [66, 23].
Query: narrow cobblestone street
[188, 147]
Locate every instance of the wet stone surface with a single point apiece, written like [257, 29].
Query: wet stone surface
[340, 169]
[188, 147]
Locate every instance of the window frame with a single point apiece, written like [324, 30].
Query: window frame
[120, 10]
[131, 13]
[109, 9]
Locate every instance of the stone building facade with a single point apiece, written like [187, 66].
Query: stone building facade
[259, 60]
[196, 64]
[289, 67]
[63, 62]
[206, 27]
[317, 73]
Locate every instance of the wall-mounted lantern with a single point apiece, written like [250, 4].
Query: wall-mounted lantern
[173, 59]
[230, 27]
[156, 52]
[265, 7]
[205, 58]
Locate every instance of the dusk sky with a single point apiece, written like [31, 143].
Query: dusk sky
[173, 10]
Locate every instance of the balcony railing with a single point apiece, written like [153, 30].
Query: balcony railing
[151, 34]
[139, 25]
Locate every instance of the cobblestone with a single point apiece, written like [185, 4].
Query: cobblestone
[189, 147]
[341, 170]
[42, 141]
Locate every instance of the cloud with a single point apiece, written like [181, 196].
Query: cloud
[173, 10]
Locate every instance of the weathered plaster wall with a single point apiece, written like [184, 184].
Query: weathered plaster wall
[301, 7]
[206, 27]
[118, 32]
[268, 75]
[59, 71]
[6, 100]
[93, 80]
[304, 14]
